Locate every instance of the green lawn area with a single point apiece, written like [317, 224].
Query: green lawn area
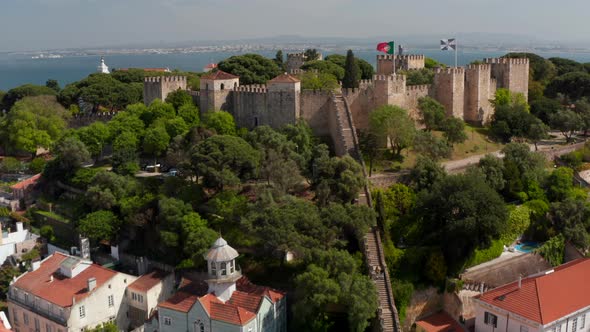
[477, 143]
[53, 215]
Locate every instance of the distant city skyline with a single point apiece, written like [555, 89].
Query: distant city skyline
[50, 24]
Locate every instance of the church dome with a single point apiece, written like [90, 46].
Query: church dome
[221, 252]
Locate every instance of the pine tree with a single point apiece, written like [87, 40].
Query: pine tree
[351, 72]
[279, 59]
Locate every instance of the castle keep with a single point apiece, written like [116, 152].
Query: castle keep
[465, 92]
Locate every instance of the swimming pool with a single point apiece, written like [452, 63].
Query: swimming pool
[527, 247]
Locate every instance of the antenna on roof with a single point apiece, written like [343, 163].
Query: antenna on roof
[519, 281]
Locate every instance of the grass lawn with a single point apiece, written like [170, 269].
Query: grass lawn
[53, 216]
[477, 143]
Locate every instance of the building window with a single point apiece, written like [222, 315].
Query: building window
[26, 298]
[167, 320]
[137, 297]
[558, 328]
[26, 318]
[231, 267]
[223, 270]
[15, 315]
[111, 301]
[583, 321]
[37, 329]
[213, 268]
[47, 328]
[222, 86]
[491, 319]
[82, 311]
[575, 324]
[524, 328]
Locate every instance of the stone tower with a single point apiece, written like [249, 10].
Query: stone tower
[389, 90]
[158, 87]
[402, 62]
[480, 88]
[283, 104]
[449, 89]
[215, 91]
[222, 270]
[511, 74]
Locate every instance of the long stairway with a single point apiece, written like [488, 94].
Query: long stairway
[387, 313]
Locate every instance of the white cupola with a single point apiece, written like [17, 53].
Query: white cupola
[222, 270]
[103, 68]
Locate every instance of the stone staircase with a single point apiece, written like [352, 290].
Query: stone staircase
[388, 320]
[345, 142]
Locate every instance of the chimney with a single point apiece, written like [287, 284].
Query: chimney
[35, 265]
[51, 278]
[519, 282]
[91, 284]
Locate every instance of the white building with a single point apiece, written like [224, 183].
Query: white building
[103, 68]
[67, 294]
[557, 300]
[17, 242]
[226, 302]
[144, 294]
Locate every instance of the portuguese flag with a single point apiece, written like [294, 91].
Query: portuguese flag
[387, 47]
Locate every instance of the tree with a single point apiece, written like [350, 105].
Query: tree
[454, 130]
[314, 290]
[541, 69]
[560, 184]
[221, 121]
[419, 76]
[318, 81]
[572, 218]
[338, 180]
[47, 233]
[567, 122]
[492, 169]
[34, 122]
[190, 114]
[425, 143]
[433, 113]
[95, 137]
[224, 160]
[26, 90]
[156, 111]
[175, 126]
[10, 165]
[156, 141]
[393, 123]
[53, 85]
[279, 59]
[460, 213]
[369, 147]
[582, 108]
[544, 108]
[99, 225]
[311, 54]
[351, 72]
[565, 66]
[537, 131]
[511, 117]
[252, 68]
[71, 153]
[37, 165]
[178, 98]
[574, 85]
[426, 173]
[327, 67]
[554, 250]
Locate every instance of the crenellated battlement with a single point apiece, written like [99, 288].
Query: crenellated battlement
[401, 57]
[393, 77]
[479, 66]
[448, 71]
[505, 61]
[365, 83]
[296, 55]
[418, 88]
[157, 79]
[252, 88]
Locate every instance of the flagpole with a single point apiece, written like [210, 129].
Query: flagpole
[456, 47]
[394, 57]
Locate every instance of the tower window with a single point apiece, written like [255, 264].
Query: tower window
[213, 268]
[222, 86]
[223, 269]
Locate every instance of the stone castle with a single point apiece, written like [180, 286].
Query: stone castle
[465, 92]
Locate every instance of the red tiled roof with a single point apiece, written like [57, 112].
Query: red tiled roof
[244, 285]
[285, 78]
[247, 301]
[230, 313]
[207, 300]
[439, 322]
[219, 75]
[25, 183]
[548, 297]
[147, 281]
[186, 296]
[62, 289]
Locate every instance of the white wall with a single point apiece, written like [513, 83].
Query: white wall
[507, 322]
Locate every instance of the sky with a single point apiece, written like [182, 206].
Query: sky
[51, 24]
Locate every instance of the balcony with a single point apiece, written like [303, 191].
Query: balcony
[37, 310]
[225, 278]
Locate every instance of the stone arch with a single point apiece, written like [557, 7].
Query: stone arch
[222, 86]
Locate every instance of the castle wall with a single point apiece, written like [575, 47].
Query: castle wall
[449, 90]
[479, 90]
[158, 87]
[413, 94]
[511, 74]
[384, 64]
[215, 100]
[314, 109]
[402, 62]
[295, 61]
[250, 107]
[283, 107]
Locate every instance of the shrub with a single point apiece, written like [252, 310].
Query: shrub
[486, 254]
[553, 250]
[402, 293]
